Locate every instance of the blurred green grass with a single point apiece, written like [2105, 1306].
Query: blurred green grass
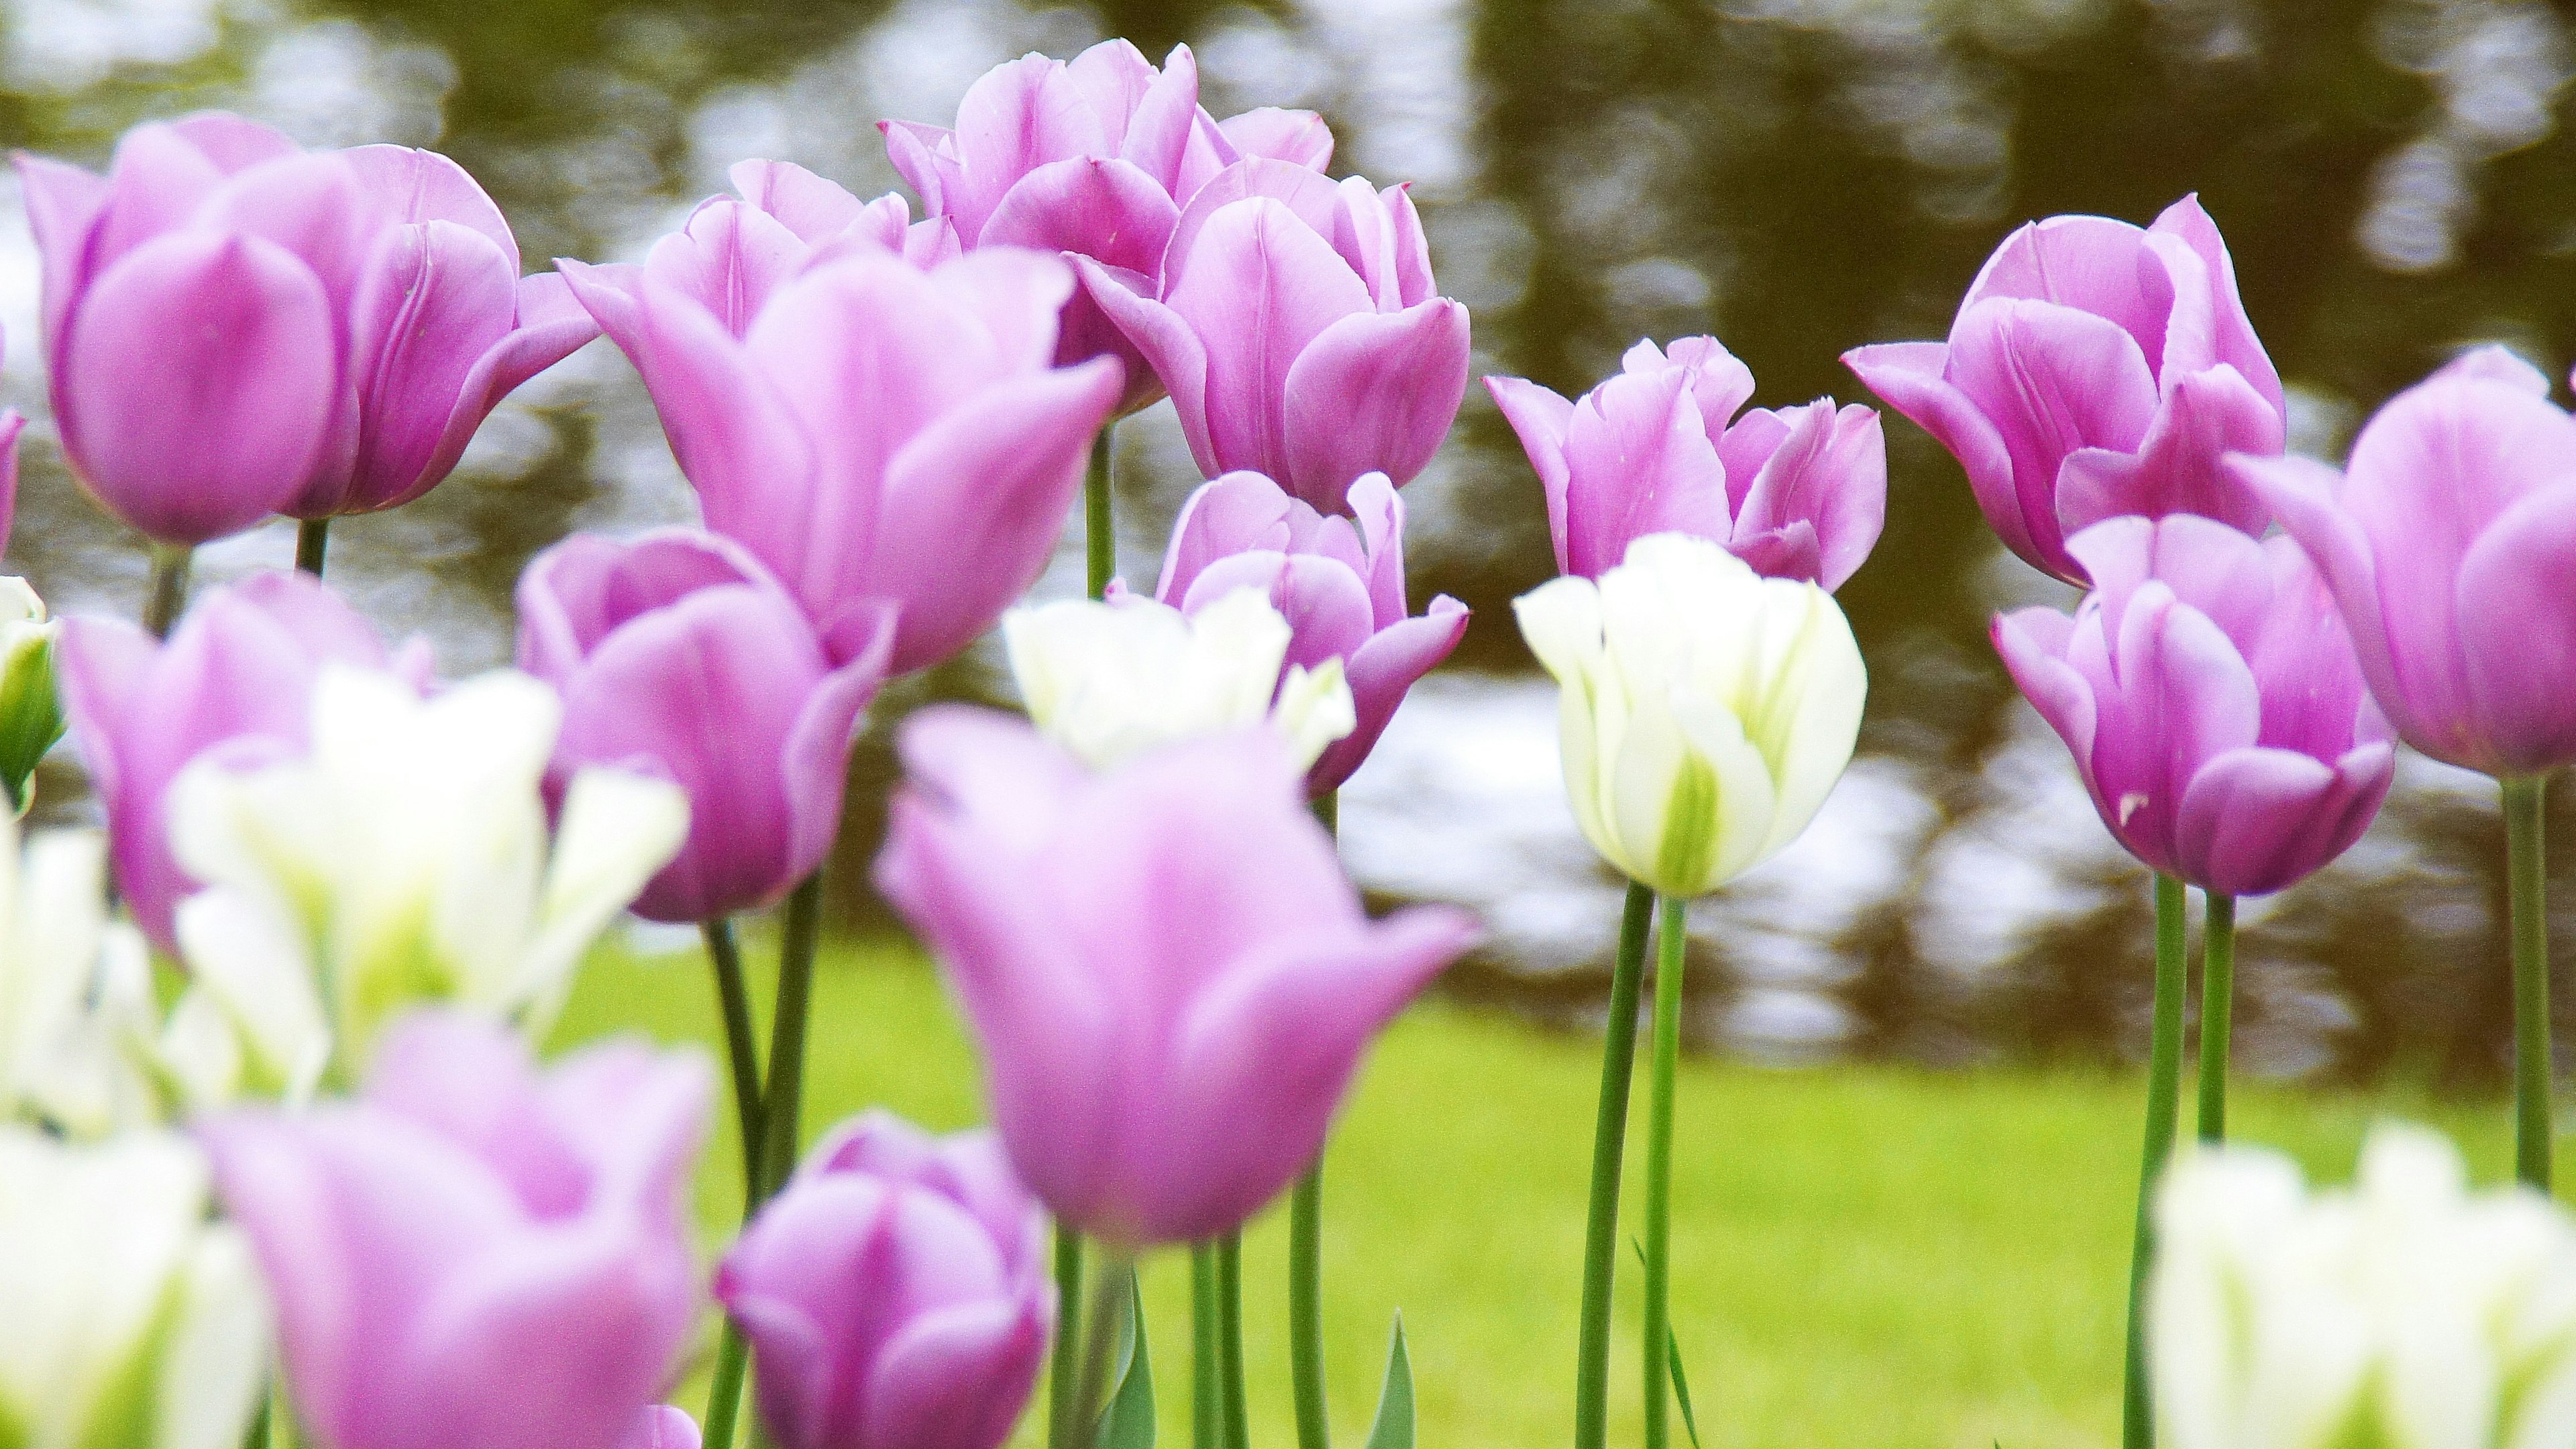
[1863, 1255]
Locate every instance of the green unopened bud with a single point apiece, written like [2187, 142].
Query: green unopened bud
[31, 715]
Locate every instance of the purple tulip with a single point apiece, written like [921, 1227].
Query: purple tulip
[735, 250]
[895, 1294]
[2449, 541]
[1171, 978]
[2211, 698]
[1299, 330]
[874, 432]
[679, 655]
[475, 1253]
[237, 327]
[2094, 371]
[1799, 493]
[1094, 157]
[235, 676]
[1338, 582]
[661, 1426]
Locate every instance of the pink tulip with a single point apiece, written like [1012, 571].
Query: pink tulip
[235, 676]
[1093, 157]
[679, 655]
[237, 327]
[2212, 701]
[1172, 980]
[895, 1294]
[2449, 541]
[476, 1253]
[1337, 581]
[1299, 330]
[871, 431]
[735, 250]
[661, 1426]
[2094, 371]
[1799, 493]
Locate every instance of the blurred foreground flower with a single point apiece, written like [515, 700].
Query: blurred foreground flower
[661, 1426]
[475, 1253]
[2404, 1313]
[404, 859]
[1706, 712]
[1170, 977]
[896, 1293]
[31, 712]
[1110, 680]
[76, 1005]
[131, 1322]
[1799, 493]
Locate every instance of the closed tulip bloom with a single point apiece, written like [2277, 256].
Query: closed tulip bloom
[1799, 493]
[2095, 370]
[235, 326]
[236, 676]
[2448, 541]
[2212, 702]
[1300, 331]
[2405, 1311]
[875, 432]
[1095, 157]
[1339, 582]
[1705, 713]
[734, 251]
[1170, 977]
[31, 711]
[475, 1252]
[895, 1294]
[679, 655]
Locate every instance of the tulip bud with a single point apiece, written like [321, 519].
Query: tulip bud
[1112, 679]
[2405, 1312]
[31, 715]
[132, 1322]
[1706, 711]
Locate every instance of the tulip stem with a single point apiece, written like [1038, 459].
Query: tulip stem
[1099, 530]
[1306, 1262]
[724, 1401]
[1207, 1407]
[1229, 1304]
[168, 591]
[784, 1095]
[2164, 1104]
[1113, 1291]
[2528, 883]
[2217, 1009]
[725, 955]
[1064, 1370]
[312, 540]
[1672, 936]
[1609, 1142]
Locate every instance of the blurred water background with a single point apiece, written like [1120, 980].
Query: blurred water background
[2395, 178]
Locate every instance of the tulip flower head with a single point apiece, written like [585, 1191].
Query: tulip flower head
[895, 1294]
[476, 1252]
[75, 991]
[132, 1322]
[31, 712]
[1799, 493]
[1112, 679]
[404, 858]
[2212, 701]
[1705, 711]
[1170, 977]
[679, 654]
[235, 326]
[2448, 541]
[2405, 1311]
[2095, 370]
[875, 432]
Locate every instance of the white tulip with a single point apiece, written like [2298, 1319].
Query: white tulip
[1111, 680]
[2405, 1312]
[405, 858]
[76, 1008]
[1705, 711]
[131, 1321]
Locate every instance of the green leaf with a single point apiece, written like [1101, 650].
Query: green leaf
[1673, 1356]
[1128, 1422]
[1393, 1427]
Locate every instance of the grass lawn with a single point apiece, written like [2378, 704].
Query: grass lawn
[1864, 1256]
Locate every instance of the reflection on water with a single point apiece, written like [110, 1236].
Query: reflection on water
[2396, 177]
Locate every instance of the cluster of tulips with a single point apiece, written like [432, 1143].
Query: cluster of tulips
[277, 1156]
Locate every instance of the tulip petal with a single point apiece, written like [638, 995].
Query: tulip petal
[2232, 338]
[63, 206]
[1262, 279]
[1639, 460]
[813, 208]
[2088, 264]
[2033, 644]
[955, 1378]
[406, 185]
[1380, 672]
[155, 183]
[435, 297]
[2496, 364]
[1373, 393]
[729, 258]
[2177, 470]
[1310, 197]
[1157, 138]
[1299, 138]
[1910, 376]
[1178, 359]
[1829, 472]
[1015, 118]
[1237, 513]
[1540, 417]
[550, 325]
[2052, 380]
[2257, 820]
[2517, 634]
[1108, 210]
[815, 766]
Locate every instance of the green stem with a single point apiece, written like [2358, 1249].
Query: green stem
[2217, 1009]
[724, 1401]
[1672, 936]
[784, 1096]
[1099, 531]
[1306, 1264]
[168, 591]
[741, 1052]
[1064, 1370]
[1609, 1142]
[312, 540]
[1229, 1318]
[1111, 1295]
[1207, 1408]
[2164, 1103]
[2527, 873]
